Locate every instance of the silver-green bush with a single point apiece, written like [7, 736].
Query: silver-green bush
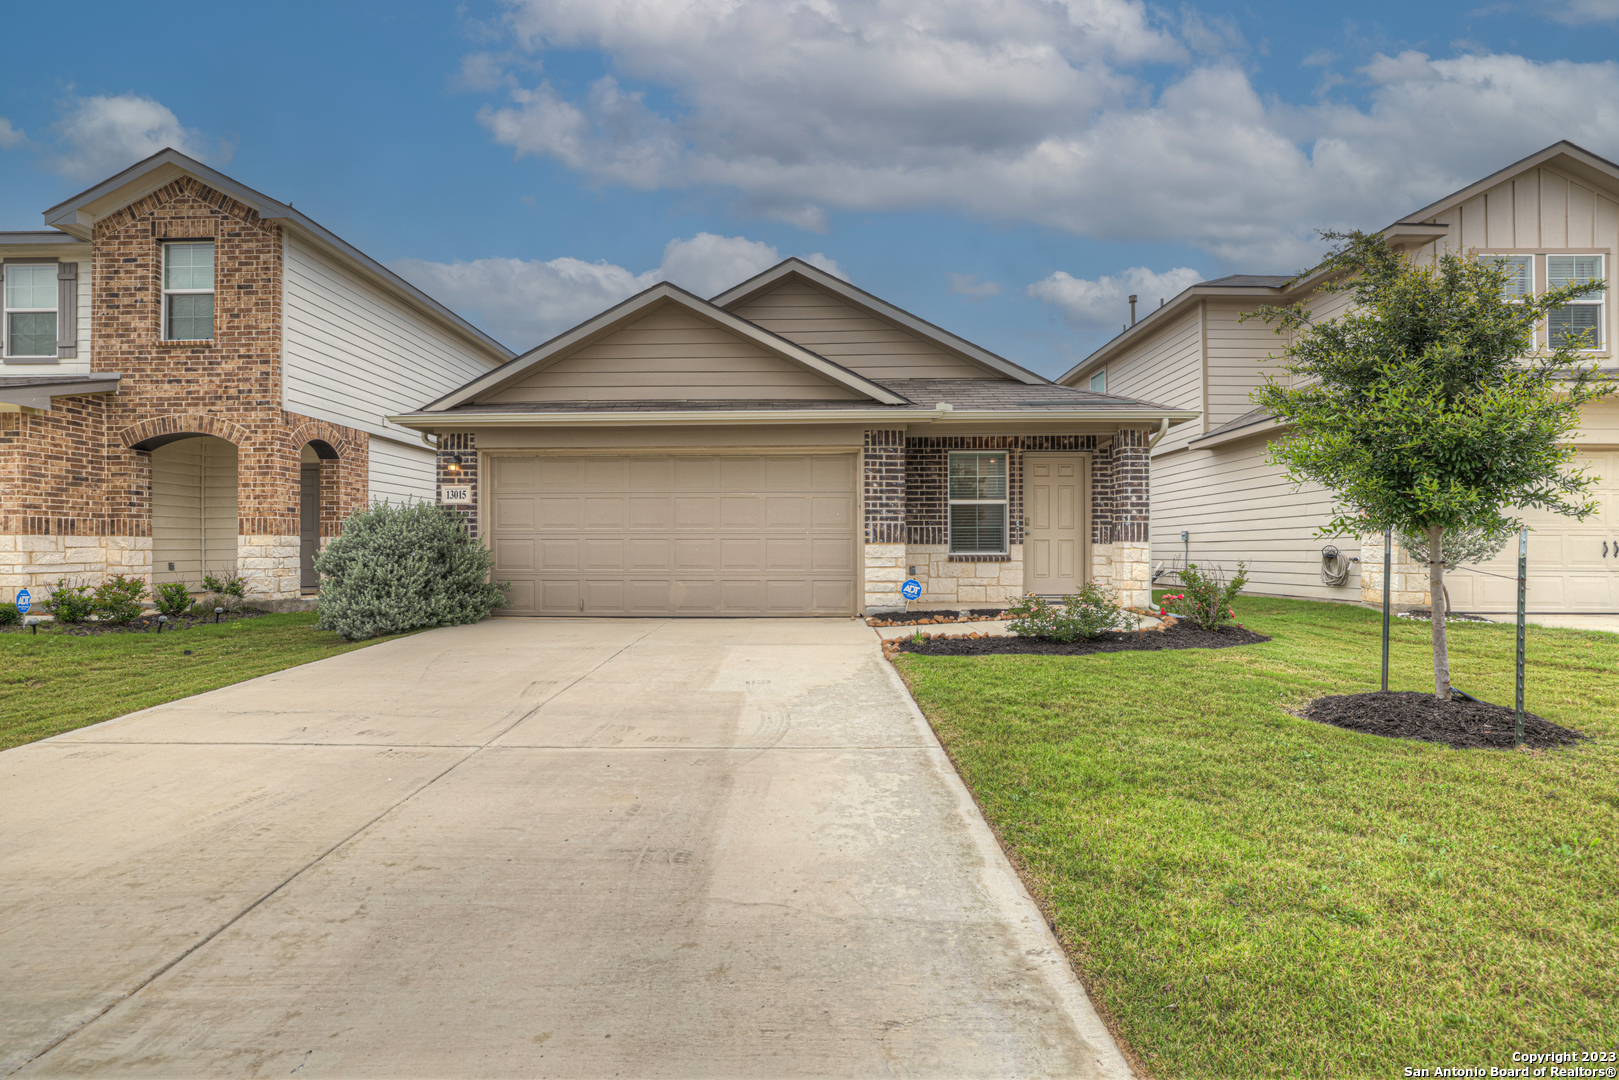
[404, 567]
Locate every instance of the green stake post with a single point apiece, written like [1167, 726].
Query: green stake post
[1388, 567]
[1523, 583]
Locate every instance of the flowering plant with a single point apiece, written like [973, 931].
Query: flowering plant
[1207, 601]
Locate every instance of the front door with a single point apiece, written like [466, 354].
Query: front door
[1056, 492]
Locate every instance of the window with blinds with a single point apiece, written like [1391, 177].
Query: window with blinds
[1520, 270]
[1579, 324]
[30, 309]
[977, 503]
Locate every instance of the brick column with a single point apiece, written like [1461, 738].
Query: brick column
[883, 507]
[1121, 557]
[464, 445]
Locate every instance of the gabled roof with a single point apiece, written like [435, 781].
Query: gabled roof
[619, 315]
[797, 268]
[77, 217]
[1566, 156]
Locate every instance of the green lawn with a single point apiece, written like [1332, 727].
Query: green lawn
[54, 682]
[1246, 893]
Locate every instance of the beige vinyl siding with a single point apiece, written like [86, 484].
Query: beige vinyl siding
[671, 354]
[857, 339]
[1238, 508]
[1539, 211]
[354, 353]
[1238, 358]
[194, 522]
[401, 473]
[1166, 369]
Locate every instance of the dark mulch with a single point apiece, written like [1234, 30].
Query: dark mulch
[146, 624]
[911, 618]
[1410, 714]
[1180, 635]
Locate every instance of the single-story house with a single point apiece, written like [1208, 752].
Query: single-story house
[194, 379]
[793, 446]
[1215, 498]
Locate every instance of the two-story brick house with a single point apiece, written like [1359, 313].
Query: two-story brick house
[194, 378]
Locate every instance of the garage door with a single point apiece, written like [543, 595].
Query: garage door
[1573, 565]
[761, 534]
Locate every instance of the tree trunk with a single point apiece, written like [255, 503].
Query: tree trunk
[1437, 612]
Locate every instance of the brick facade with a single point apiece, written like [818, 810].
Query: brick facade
[1118, 514]
[462, 445]
[72, 472]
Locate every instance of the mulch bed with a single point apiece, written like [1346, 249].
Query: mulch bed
[146, 624]
[1410, 714]
[1176, 635]
[914, 618]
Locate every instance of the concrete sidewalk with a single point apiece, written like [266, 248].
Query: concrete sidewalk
[528, 847]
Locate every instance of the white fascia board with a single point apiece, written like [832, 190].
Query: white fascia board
[1596, 169]
[869, 417]
[881, 308]
[607, 321]
[428, 421]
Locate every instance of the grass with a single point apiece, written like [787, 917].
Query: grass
[55, 682]
[1249, 894]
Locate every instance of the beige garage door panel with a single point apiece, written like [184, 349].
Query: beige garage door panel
[675, 534]
[1568, 568]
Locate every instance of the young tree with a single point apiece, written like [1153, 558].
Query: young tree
[1428, 406]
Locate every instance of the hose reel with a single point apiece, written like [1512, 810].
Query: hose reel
[1334, 566]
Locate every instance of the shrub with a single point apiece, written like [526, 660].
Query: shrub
[1206, 603]
[173, 599]
[118, 599]
[1089, 613]
[405, 567]
[227, 591]
[9, 615]
[69, 603]
[199, 609]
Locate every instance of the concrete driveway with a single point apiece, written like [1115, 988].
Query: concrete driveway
[527, 848]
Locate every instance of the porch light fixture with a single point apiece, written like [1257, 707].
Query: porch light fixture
[454, 464]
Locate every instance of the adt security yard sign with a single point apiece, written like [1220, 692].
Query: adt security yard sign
[911, 589]
[24, 601]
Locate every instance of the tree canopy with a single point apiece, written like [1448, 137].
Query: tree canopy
[1431, 404]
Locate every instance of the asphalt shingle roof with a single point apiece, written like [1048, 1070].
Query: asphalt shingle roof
[1251, 281]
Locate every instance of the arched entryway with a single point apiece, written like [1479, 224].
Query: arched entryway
[194, 511]
[310, 458]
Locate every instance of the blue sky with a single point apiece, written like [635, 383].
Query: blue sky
[1009, 169]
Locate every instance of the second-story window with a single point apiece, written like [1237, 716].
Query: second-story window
[1579, 323]
[1099, 382]
[188, 291]
[30, 328]
[1520, 271]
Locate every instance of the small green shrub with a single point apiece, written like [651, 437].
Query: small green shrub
[1087, 614]
[173, 599]
[70, 603]
[199, 609]
[9, 615]
[404, 567]
[1206, 603]
[228, 590]
[118, 599]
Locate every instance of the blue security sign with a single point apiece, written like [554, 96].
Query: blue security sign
[911, 589]
[24, 601]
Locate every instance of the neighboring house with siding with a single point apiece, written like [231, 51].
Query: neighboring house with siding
[194, 378]
[794, 446]
[1555, 216]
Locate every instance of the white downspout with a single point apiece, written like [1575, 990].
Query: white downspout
[1163, 429]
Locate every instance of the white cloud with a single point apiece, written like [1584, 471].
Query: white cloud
[1583, 11]
[1087, 305]
[525, 302]
[9, 136]
[1030, 111]
[969, 286]
[98, 136]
